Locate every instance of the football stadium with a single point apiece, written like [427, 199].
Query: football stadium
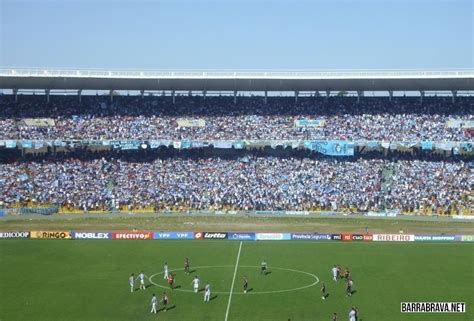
[236, 195]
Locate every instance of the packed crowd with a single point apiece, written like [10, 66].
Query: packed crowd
[131, 117]
[244, 183]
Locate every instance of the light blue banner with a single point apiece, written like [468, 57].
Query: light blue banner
[27, 144]
[332, 147]
[427, 144]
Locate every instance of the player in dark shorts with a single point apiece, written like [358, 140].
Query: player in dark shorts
[323, 291]
[263, 268]
[246, 284]
[334, 316]
[164, 299]
[171, 281]
[186, 266]
[349, 287]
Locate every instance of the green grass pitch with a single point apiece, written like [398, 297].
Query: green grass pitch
[54, 280]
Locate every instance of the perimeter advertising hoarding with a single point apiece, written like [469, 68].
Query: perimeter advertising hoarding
[62, 235]
[272, 236]
[239, 236]
[91, 235]
[132, 235]
[14, 235]
[464, 238]
[394, 237]
[173, 235]
[310, 237]
[435, 238]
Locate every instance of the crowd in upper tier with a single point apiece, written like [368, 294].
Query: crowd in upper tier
[218, 118]
[238, 183]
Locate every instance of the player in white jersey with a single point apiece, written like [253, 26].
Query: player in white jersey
[131, 280]
[165, 271]
[207, 292]
[154, 302]
[195, 283]
[352, 315]
[141, 277]
[334, 273]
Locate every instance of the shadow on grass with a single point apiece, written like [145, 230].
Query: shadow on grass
[213, 297]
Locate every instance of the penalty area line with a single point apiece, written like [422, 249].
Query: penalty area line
[233, 282]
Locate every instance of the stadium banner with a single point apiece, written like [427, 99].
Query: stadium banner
[27, 144]
[394, 237]
[39, 144]
[372, 145]
[272, 236]
[14, 235]
[464, 238]
[188, 122]
[297, 213]
[222, 144]
[460, 123]
[463, 217]
[304, 122]
[239, 236]
[78, 235]
[214, 235]
[435, 238]
[331, 147]
[186, 144]
[10, 143]
[466, 147]
[173, 235]
[155, 144]
[311, 237]
[336, 237]
[427, 145]
[238, 144]
[132, 235]
[59, 143]
[130, 145]
[62, 235]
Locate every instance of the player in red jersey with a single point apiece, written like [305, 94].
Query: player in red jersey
[171, 280]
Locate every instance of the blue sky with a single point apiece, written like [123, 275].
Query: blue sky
[237, 34]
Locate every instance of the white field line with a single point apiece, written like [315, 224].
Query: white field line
[233, 282]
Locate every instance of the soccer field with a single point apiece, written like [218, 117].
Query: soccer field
[88, 280]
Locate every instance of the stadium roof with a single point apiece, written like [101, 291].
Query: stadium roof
[226, 80]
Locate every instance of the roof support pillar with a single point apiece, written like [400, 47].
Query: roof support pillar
[111, 94]
[360, 93]
[15, 93]
[79, 95]
[173, 96]
[422, 94]
[297, 92]
[390, 95]
[142, 94]
[266, 97]
[235, 97]
[190, 93]
[204, 92]
[455, 94]
[47, 92]
[328, 93]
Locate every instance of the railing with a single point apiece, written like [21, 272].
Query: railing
[98, 73]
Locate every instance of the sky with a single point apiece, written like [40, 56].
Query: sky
[258, 34]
